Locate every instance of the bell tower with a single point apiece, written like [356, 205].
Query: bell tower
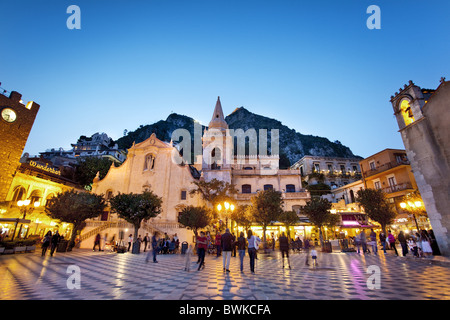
[217, 147]
[16, 121]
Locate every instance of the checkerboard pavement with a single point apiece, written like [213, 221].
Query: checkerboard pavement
[106, 276]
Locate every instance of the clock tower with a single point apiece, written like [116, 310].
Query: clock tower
[16, 121]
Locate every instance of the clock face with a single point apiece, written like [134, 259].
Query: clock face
[9, 115]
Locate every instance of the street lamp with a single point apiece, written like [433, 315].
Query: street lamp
[25, 208]
[412, 207]
[228, 207]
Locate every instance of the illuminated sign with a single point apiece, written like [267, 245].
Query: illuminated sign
[44, 167]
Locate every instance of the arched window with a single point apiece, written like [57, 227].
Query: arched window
[406, 111]
[268, 187]
[246, 188]
[35, 196]
[19, 194]
[149, 163]
[49, 199]
[109, 194]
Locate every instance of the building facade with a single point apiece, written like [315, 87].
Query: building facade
[335, 172]
[150, 165]
[423, 119]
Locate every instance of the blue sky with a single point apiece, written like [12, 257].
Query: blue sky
[313, 65]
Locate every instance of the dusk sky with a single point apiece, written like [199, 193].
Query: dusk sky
[313, 65]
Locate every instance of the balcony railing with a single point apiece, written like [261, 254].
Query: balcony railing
[398, 187]
[384, 167]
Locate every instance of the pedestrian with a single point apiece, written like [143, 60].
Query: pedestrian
[202, 245]
[105, 240]
[413, 246]
[97, 242]
[434, 244]
[314, 256]
[382, 237]
[218, 244]
[233, 237]
[241, 246]
[138, 243]
[363, 239]
[146, 241]
[307, 246]
[273, 241]
[357, 240]
[188, 255]
[46, 242]
[227, 245]
[252, 245]
[154, 251]
[402, 239]
[284, 248]
[55, 240]
[130, 241]
[425, 241]
[391, 240]
[373, 241]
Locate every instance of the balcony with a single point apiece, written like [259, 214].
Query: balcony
[385, 167]
[398, 187]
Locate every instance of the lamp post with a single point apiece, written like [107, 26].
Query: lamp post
[412, 207]
[227, 207]
[25, 208]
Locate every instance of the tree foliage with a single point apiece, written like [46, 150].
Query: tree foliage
[87, 169]
[266, 208]
[135, 208]
[289, 218]
[242, 216]
[75, 207]
[318, 212]
[215, 191]
[376, 206]
[195, 218]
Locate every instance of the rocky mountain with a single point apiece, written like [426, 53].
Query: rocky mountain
[293, 145]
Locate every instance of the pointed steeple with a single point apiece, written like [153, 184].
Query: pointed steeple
[218, 120]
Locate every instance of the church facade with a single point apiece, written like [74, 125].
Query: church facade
[150, 165]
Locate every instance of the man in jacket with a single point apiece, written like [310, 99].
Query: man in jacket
[284, 248]
[227, 246]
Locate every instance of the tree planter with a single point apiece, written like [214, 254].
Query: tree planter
[30, 248]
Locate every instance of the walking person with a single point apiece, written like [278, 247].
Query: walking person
[46, 242]
[241, 246]
[202, 245]
[307, 246]
[284, 248]
[130, 241]
[218, 244]
[55, 240]
[188, 255]
[252, 244]
[146, 241]
[233, 237]
[227, 245]
[391, 240]
[357, 241]
[314, 257]
[154, 251]
[373, 242]
[402, 239]
[363, 239]
[97, 242]
[382, 237]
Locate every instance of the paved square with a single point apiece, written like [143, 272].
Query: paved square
[105, 276]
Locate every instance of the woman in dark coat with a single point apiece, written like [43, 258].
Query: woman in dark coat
[284, 248]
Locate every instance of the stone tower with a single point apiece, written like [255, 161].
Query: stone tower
[423, 117]
[16, 121]
[217, 148]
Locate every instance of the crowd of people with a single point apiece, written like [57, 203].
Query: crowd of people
[418, 244]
